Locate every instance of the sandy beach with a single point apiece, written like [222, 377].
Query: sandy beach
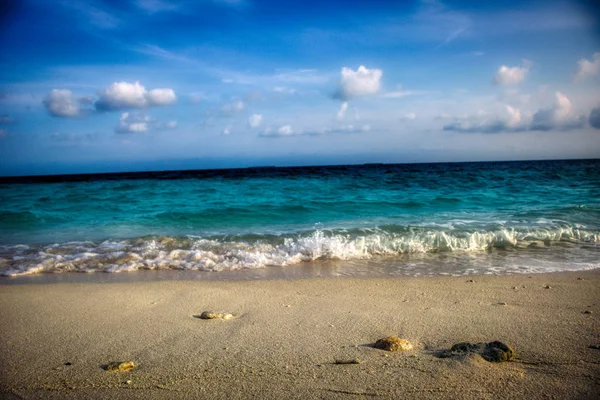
[286, 336]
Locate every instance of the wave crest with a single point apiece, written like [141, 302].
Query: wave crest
[257, 251]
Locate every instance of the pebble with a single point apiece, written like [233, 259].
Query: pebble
[215, 315]
[587, 312]
[393, 343]
[471, 281]
[547, 287]
[350, 361]
[120, 366]
[502, 303]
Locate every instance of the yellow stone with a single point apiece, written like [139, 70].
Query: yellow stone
[392, 343]
[215, 315]
[120, 366]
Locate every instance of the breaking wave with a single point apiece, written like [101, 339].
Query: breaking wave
[225, 253]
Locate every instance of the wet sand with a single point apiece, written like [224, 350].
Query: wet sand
[287, 334]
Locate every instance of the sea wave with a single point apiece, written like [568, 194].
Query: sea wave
[224, 253]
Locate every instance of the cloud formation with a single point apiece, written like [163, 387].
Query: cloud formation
[362, 82]
[124, 95]
[133, 123]
[136, 122]
[230, 109]
[475, 124]
[587, 68]
[62, 103]
[342, 112]
[560, 116]
[287, 131]
[255, 120]
[511, 75]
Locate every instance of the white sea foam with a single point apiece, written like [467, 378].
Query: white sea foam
[221, 254]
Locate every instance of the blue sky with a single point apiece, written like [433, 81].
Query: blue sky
[91, 86]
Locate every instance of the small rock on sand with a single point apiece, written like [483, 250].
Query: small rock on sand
[349, 361]
[392, 343]
[493, 351]
[215, 315]
[120, 366]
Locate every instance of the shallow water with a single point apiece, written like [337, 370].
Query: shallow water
[419, 220]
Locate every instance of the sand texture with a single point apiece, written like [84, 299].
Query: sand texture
[304, 338]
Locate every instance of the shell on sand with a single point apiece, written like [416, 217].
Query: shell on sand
[120, 366]
[215, 315]
[392, 343]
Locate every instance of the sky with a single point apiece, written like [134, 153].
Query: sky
[107, 86]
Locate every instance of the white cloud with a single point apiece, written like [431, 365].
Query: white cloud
[133, 123]
[171, 125]
[226, 131]
[287, 131]
[62, 103]
[235, 107]
[587, 68]
[362, 82]
[484, 122]
[255, 120]
[123, 95]
[409, 117]
[161, 97]
[514, 117]
[511, 75]
[342, 112]
[560, 116]
[403, 93]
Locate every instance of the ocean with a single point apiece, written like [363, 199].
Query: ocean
[376, 219]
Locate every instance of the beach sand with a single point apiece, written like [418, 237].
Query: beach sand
[286, 336]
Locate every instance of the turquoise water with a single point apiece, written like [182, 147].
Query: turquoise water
[408, 219]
